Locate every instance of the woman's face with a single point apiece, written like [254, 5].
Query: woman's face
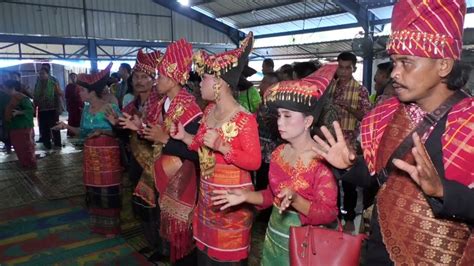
[207, 87]
[84, 94]
[292, 124]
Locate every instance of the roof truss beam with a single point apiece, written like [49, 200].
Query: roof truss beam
[234, 34]
[280, 4]
[362, 13]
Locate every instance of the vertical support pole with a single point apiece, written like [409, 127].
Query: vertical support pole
[368, 60]
[92, 51]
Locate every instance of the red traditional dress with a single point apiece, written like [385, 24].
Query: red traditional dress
[314, 182]
[225, 235]
[101, 166]
[74, 105]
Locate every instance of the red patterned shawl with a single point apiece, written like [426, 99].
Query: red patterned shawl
[457, 140]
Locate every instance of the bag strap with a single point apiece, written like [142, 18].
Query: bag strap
[428, 121]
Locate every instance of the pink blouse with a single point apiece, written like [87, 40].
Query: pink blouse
[315, 183]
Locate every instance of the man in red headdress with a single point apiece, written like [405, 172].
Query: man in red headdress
[173, 174]
[419, 145]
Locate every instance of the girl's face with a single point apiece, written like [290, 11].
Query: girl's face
[292, 124]
[207, 87]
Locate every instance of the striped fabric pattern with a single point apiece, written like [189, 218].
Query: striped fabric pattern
[457, 140]
[58, 233]
[427, 28]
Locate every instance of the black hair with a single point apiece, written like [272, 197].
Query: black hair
[269, 62]
[12, 84]
[47, 65]
[127, 67]
[304, 69]
[130, 84]
[194, 77]
[115, 75]
[45, 69]
[347, 56]
[386, 67]
[286, 69]
[72, 73]
[458, 76]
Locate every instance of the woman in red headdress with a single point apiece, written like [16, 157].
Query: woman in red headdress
[102, 169]
[228, 148]
[301, 189]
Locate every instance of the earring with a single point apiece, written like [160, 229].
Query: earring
[217, 90]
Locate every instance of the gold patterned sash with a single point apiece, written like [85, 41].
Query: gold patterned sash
[410, 231]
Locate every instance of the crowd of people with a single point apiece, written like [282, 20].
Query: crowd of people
[206, 150]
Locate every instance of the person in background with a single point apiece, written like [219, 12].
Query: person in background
[15, 75]
[267, 132]
[424, 211]
[248, 97]
[4, 132]
[130, 95]
[51, 76]
[301, 188]
[125, 70]
[285, 72]
[74, 103]
[267, 66]
[114, 82]
[351, 100]
[228, 148]
[383, 83]
[19, 121]
[101, 164]
[46, 98]
[194, 86]
[141, 111]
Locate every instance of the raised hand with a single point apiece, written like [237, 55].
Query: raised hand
[286, 196]
[335, 151]
[210, 138]
[155, 133]
[130, 122]
[177, 131]
[228, 198]
[423, 172]
[111, 115]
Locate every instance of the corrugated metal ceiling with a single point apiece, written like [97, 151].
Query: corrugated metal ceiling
[244, 14]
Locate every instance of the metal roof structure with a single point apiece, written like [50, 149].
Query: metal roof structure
[282, 16]
[287, 16]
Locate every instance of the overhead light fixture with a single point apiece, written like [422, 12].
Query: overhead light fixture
[184, 2]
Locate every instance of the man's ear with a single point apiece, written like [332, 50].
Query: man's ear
[445, 66]
[354, 69]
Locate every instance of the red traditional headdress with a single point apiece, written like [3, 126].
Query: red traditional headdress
[96, 81]
[227, 65]
[176, 63]
[427, 28]
[148, 62]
